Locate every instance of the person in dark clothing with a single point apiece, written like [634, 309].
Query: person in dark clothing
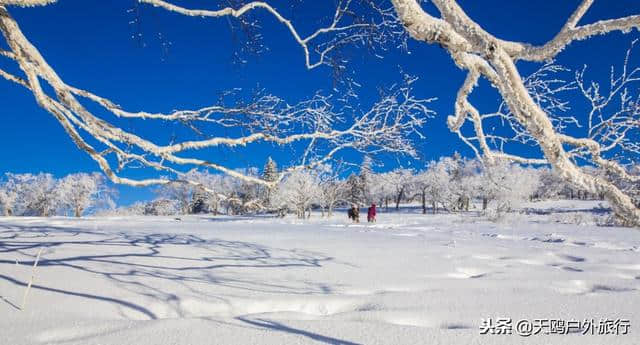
[354, 214]
[371, 214]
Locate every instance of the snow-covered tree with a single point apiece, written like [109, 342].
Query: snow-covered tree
[551, 185]
[424, 184]
[298, 191]
[245, 196]
[332, 193]
[460, 184]
[506, 185]
[198, 203]
[332, 189]
[179, 191]
[382, 189]
[209, 193]
[135, 209]
[6, 201]
[354, 190]
[270, 173]
[37, 195]
[435, 182]
[163, 207]
[199, 191]
[400, 181]
[81, 191]
[8, 195]
[529, 104]
[366, 178]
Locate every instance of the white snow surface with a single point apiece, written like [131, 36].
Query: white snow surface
[408, 279]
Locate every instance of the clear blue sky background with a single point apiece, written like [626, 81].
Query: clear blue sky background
[93, 45]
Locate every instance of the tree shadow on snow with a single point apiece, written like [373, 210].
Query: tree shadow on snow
[144, 263]
[277, 326]
[122, 303]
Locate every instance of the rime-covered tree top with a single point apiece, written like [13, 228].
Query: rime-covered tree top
[270, 171]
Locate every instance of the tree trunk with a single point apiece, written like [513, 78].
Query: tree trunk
[398, 198]
[78, 212]
[424, 202]
[485, 203]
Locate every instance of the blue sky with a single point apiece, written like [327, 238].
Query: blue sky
[95, 45]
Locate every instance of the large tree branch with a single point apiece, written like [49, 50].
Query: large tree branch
[572, 32]
[466, 42]
[383, 128]
[424, 27]
[26, 3]
[577, 15]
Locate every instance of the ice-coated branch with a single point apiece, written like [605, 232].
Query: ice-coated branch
[572, 32]
[613, 122]
[614, 118]
[577, 15]
[26, 3]
[264, 119]
[529, 106]
[423, 27]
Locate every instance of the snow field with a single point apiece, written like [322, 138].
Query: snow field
[408, 279]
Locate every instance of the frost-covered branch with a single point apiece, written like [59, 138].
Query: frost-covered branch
[264, 119]
[572, 32]
[345, 27]
[614, 118]
[26, 3]
[531, 106]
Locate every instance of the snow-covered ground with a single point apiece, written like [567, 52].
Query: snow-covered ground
[409, 279]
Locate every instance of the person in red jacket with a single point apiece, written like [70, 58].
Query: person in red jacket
[371, 214]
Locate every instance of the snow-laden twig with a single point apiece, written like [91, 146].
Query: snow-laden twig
[345, 27]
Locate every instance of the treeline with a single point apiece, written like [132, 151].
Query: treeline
[450, 184]
[43, 195]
